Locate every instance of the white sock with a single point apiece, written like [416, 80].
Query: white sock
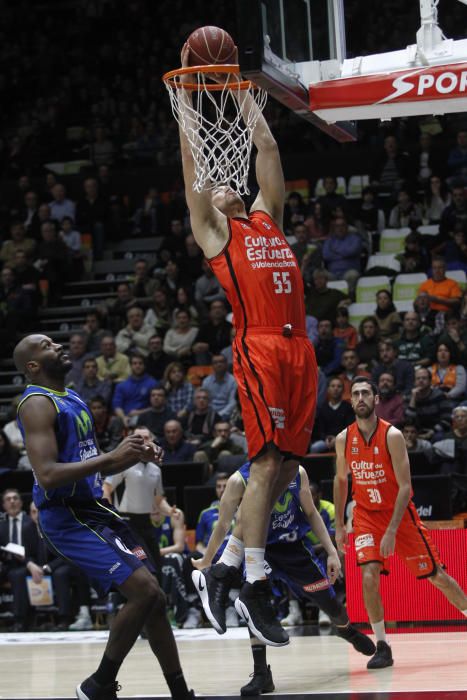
[464, 612]
[379, 631]
[233, 553]
[84, 611]
[254, 564]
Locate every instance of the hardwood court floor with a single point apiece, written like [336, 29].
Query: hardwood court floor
[50, 665]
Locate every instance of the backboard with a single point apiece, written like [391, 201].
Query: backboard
[281, 41]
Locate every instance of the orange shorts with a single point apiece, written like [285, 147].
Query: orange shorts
[413, 541]
[277, 382]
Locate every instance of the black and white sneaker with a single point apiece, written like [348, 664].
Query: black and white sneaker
[254, 606]
[213, 586]
[90, 690]
[261, 682]
[360, 642]
[382, 658]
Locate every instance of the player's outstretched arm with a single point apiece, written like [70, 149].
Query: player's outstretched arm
[228, 505]
[400, 462]
[318, 526]
[341, 488]
[38, 416]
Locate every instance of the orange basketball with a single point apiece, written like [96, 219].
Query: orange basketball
[210, 45]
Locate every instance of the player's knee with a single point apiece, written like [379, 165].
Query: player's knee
[151, 594]
[440, 579]
[370, 577]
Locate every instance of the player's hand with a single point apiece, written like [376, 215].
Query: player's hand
[333, 567]
[175, 512]
[131, 450]
[341, 539]
[388, 544]
[200, 564]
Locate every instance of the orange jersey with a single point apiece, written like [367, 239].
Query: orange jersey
[374, 484]
[260, 275]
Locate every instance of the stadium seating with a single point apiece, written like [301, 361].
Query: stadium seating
[368, 286]
[357, 312]
[406, 286]
[393, 240]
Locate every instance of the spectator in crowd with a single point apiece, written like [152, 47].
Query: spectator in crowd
[91, 215]
[135, 336]
[94, 331]
[158, 414]
[222, 445]
[174, 243]
[52, 259]
[413, 345]
[17, 241]
[343, 329]
[370, 219]
[321, 301]
[17, 305]
[111, 364]
[179, 391]
[455, 249]
[60, 205]
[317, 230]
[183, 302]
[294, 212]
[334, 416]
[29, 214]
[455, 212]
[176, 448]
[208, 517]
[101, 151]
[222, 387]
[191, 262]
[454, 335]
[207, 289]
[452, 447]
[179, 339]
[422, 306]
[415, 257]
[444, 293]
[27, 276]
[131, 396]
[328, 348]
[341, 253]
[402, 370]
[436, 199]
[200, 421]
[159, 314]
[447, 375]
[143, 286]
[350, 365]
[90, 385]
[109, 429]
[77, 354]
[414, 443]
[149, 217]
[9, 455]
[214, 335]
[427, 407]
[427, 158]
[368, 347]
[118, 309]
[387, 316]
[302, 244]
[331, 200]
[156, 360]
[457, 159]
[72, 239]
[405, 213]
[391, 403]
[17, 528]
[391, 168]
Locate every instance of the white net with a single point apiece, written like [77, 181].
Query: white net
[218, 125]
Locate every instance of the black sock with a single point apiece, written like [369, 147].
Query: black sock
[177, 685]
[259, 658]
[107, 671]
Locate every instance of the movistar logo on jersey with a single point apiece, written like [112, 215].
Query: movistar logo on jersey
[83, 424]
[281, 507]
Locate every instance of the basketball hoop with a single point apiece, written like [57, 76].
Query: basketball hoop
[217, 112]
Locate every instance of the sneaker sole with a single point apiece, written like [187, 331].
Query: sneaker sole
[242, 610]
[79, 693]
[376, 668]
[268, 689]
[198, 578]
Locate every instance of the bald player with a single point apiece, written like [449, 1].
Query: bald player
[78, 525]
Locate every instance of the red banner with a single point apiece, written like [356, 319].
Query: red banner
[406, 598]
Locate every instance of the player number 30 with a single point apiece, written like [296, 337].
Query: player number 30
[282, 283]
[374, 495]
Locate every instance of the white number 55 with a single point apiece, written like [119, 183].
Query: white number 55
[282, 283]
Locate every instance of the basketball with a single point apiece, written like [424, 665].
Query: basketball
[210, 45]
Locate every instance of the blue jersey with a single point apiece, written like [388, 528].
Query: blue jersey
[163, 530]
[207, 521]
[288, 522]
[76, 441]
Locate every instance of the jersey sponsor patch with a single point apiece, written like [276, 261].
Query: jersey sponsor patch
[316, 586]
[114, 567]
[364, 541]
[139, 552]
[278, 415]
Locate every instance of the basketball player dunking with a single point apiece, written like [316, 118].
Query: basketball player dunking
[274, 363]
[385, 518]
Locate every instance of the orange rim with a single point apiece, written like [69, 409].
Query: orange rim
[232, 68]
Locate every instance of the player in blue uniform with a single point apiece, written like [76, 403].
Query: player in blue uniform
[78, 525]
[289, 557]
[208, 517]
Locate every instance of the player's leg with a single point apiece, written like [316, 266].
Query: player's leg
[261, 678]
[371, 575]
[451, 589]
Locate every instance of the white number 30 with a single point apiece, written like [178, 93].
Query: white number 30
[282, 283]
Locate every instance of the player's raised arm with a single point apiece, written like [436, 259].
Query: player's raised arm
[400, 462]
[341, 488]
[228, 505]
[318, 526]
